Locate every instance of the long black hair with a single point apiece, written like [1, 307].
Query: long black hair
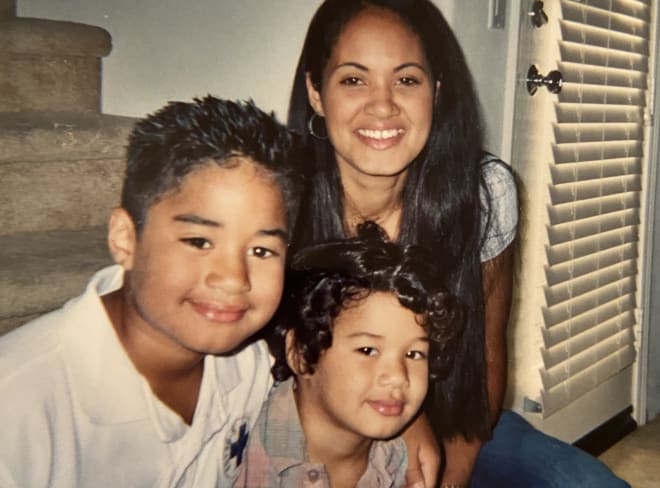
[441, 207]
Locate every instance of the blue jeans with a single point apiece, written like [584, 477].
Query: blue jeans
[518, 455]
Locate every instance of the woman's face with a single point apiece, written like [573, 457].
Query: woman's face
[377, 95]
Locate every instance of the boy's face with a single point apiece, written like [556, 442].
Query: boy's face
[207, 270]
[373, 379]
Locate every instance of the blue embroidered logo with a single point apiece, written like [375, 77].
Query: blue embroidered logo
[235, 446]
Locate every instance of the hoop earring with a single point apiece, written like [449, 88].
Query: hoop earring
[310, 127]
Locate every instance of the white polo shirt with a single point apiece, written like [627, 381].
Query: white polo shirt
[75, 412]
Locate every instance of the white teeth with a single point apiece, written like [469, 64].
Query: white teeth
[380, 134]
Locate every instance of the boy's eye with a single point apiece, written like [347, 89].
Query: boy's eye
[197, 242]
[367, 351]
[416, 355]
[262, 252]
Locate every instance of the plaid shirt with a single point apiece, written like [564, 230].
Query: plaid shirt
[276, 456]
[501, 223]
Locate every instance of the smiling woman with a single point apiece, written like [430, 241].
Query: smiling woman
[405, 148]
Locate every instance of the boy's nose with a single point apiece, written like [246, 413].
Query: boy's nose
[230, 276]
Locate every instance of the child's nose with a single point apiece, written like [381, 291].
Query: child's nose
[229, 275]
[395, 374]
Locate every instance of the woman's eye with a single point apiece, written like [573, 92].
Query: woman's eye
[197, 242]
[408, 81]
[367, 351]
[416, 355]
[351, 81]
[261, 252]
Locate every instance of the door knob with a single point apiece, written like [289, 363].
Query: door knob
[553, 81]
[538, 15]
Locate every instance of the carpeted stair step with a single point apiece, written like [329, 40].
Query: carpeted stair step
[39, 271]
[60, 171]
[48, 65]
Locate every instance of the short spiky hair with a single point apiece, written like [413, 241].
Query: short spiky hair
[180, 137]
[326, 278]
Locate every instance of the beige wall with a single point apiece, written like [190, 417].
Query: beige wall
[491, 55]
[174, 50]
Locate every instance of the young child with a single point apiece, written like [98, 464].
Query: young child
[363, 326]
[146, 379]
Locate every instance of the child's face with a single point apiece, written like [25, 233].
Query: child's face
[374, 377]
[207, 271]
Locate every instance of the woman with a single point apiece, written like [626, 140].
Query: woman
[384, 100]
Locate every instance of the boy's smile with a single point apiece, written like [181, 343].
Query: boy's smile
[206, 272]
[222, 314]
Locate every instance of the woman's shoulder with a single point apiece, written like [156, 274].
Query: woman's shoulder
[497, 175]
[500, 200]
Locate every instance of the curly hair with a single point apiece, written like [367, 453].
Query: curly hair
[325, 279]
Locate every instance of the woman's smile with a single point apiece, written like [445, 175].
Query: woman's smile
[380, 139]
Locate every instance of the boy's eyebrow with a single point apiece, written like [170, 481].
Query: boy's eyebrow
[281, 233]
[197, 220]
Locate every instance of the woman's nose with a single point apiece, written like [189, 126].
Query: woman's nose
[381, 102]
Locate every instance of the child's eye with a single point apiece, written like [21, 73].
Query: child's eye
[197, 242]
[416, 355]
[367, 351]
[262, 252]
[351, 81]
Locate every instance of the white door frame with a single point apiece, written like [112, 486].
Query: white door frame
[649, 305]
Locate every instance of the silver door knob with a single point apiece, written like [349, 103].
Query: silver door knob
[553, 81]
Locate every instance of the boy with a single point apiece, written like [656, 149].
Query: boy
[363, 326]
[146, 379]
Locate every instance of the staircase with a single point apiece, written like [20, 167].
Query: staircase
[61, 162]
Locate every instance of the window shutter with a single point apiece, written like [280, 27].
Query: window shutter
[594, 207]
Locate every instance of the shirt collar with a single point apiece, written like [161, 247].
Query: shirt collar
[285, 443]
[111, 390]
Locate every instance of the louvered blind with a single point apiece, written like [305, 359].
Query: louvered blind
[594, 207]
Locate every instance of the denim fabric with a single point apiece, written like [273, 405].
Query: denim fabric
[518, 455]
